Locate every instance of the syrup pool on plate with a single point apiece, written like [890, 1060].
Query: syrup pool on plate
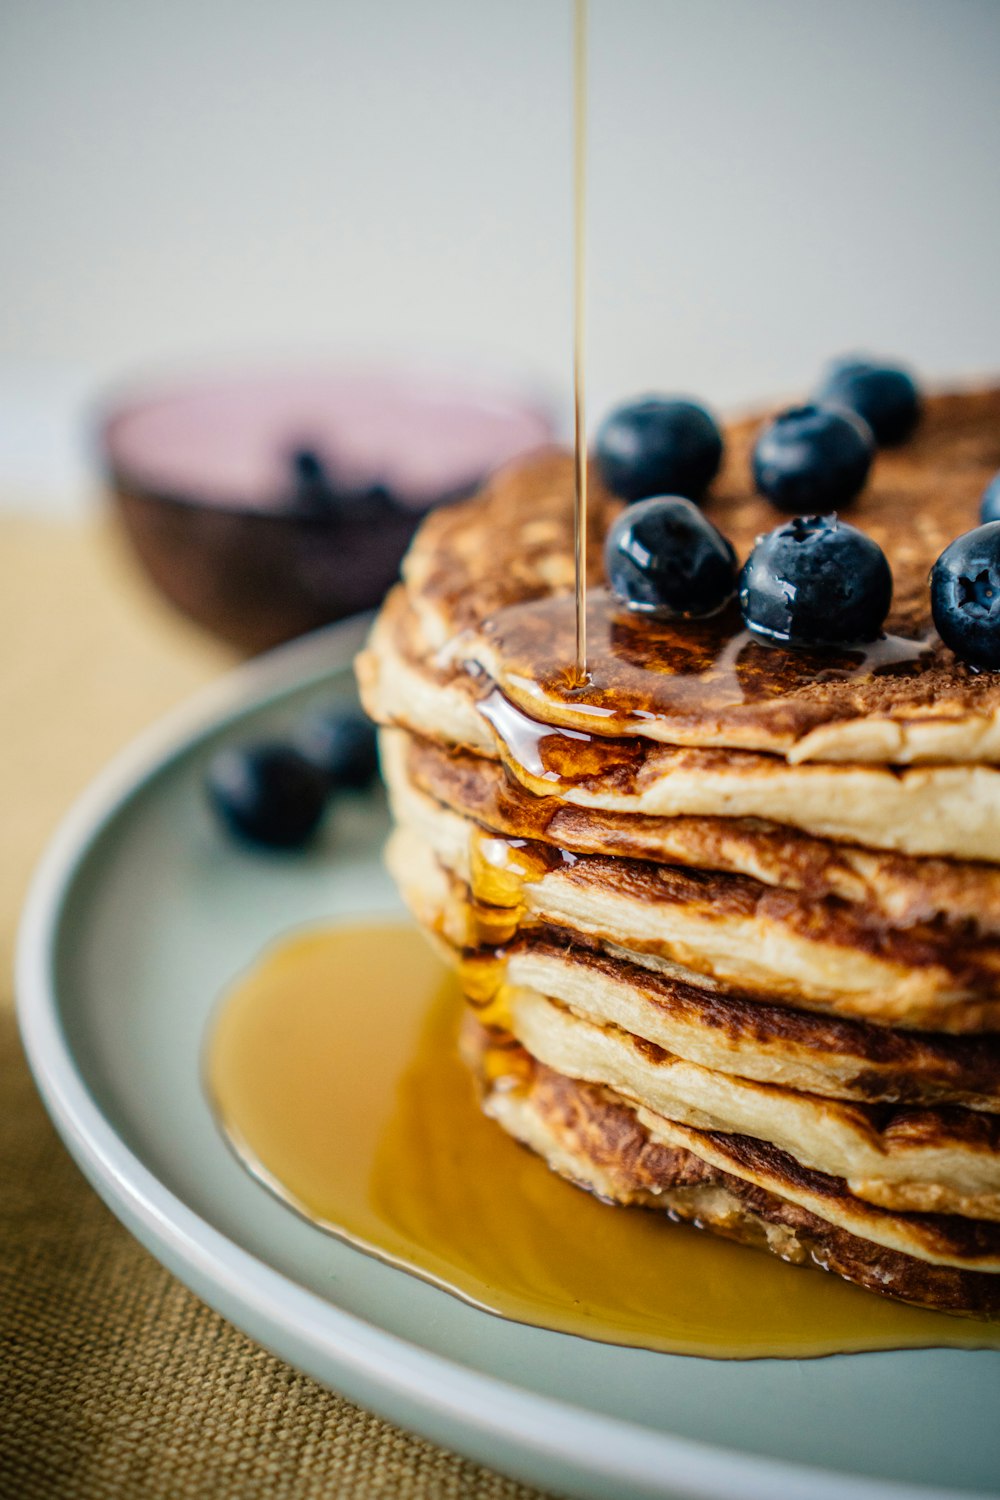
[333, 1069]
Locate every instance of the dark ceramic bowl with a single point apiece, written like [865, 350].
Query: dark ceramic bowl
[266, 505]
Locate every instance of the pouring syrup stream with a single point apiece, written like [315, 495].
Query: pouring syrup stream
[579, 330]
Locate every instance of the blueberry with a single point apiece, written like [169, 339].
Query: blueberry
[311, 492]
[664, 558]
[267, 793]
[816, 582]
[340, 742]
[658, 446]
[885, 397]
[965, 596]
[812, 459]
[989, 505]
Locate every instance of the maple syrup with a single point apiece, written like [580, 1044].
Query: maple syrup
[691, 675]
[580, 510]
[334, 1071]
[560, 755]
[499, 869]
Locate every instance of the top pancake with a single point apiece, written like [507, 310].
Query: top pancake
[490, 582]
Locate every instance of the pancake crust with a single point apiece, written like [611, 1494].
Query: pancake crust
[752, 1038]
[504, 561]
[739, 933]
[674, 1009]
[951, 810]
[946, 1158]
[901, 889]
[598, 1142]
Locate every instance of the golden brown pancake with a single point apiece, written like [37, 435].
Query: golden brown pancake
[491, 583]
[943, 1160]
[744, 1036]
[737, 932]
[674, 1009]
[733, 1186]
[948, 810]
[940, 1160]
[484, 628]
[737, 904]
[900, 889]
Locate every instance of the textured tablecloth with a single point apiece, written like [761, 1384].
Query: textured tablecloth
[116, 1382]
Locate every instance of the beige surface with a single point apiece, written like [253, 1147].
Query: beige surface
[115, 1382]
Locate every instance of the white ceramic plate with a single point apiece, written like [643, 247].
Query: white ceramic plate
[140, 914]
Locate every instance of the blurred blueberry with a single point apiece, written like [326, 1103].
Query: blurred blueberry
[267, 793]
[885, 396]
[340, 742]
[658, 445]
[812, 459]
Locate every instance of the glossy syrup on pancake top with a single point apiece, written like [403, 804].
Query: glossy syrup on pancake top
[495, 579]
[333, 1069]
[639, 669]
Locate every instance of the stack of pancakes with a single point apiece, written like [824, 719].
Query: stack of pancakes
[728, 914]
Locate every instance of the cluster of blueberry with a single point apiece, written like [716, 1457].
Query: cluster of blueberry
[274, 792]
[815, 581]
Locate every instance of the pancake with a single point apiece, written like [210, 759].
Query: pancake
[733, 1187]
[675, 1010]
[941, 1161]
[726, 913]
[491, 583]
[950, 810]
[938, 810]
[739, 933]
[899, 889]
[943, 810]
[747, 1037]
[938, 1160]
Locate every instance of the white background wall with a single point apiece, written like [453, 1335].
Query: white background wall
[772, 181]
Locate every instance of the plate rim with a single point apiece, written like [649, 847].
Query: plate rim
[551, 1429]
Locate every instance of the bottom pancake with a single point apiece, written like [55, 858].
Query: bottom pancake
[594, 1139]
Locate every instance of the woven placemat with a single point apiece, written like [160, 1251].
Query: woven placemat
[116, 1382]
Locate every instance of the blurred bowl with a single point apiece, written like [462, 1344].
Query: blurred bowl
[263, 506]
